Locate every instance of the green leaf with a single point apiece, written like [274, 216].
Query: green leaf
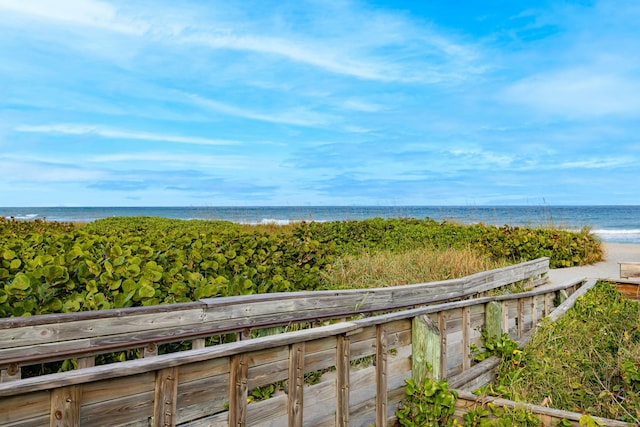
[146, 291]
[129, 286]
[20, 282]
[8, 254]
[71, 306]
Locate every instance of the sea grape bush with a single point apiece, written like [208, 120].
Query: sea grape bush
[104, 266]
[564, 248]
[137, 261]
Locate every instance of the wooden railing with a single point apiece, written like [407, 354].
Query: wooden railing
[358, 366]
[346, 373]
[38, 339]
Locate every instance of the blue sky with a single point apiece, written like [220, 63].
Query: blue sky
[218, 103]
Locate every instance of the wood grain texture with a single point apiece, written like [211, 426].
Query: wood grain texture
[238, 390]
[296, 385]
[65, 406]
[166, 397]
[343, 358]
[381, 375]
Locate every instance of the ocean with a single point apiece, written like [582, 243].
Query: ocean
[614, 224]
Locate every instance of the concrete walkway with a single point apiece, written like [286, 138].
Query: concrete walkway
[607, 269]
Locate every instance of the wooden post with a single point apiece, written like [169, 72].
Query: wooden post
[442, 327]
[65, 406]
[343, 368]
[493, 319]
[547, 304]
[425, 342]
[534, 311]
[166, 397]
[150, 350]
[198, 343]
[238, 390]
[520, 317]
[296, 384]
[466, 342]
[505, 316]
[381, 376]
[86, 362]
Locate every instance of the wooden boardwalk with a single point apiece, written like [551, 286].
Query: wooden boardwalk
[343, 362]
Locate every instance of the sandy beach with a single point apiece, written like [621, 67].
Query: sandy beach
[607, 269]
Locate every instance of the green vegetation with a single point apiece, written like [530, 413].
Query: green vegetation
[588, 361]
[135, 261]
[432, 403]
[427, 404]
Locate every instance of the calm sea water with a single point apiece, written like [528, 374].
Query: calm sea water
[619, 224]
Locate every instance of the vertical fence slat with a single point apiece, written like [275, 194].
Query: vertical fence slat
[520, 317]
[296, 384]
[381, 376]
[425, 343]
[86, 362]
[65, 406]
[505, 316]
[493, 319]
[466, 343]
[238, 390]
[534, 311]
[166, 397]
[198, 343]
[442, 327]
[343, 367]
[547, 304]
[149, 350]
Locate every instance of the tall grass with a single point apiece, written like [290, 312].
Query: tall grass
[382, 269]
[587, 361]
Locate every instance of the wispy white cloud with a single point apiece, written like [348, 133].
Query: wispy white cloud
[105, 132]
[299, 117]
[17, 169]
[361, 105]
[86, 13]
[357, 41]
[231, 162]
[311, 53]
[596, 163]
[577, 93]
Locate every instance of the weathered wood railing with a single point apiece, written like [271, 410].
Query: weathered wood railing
[210, 386]
[38, 339]
[363, 363]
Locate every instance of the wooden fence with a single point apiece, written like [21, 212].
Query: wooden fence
[346, 373]
[38, 339]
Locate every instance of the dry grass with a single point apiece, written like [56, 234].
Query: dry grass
[418, 266]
